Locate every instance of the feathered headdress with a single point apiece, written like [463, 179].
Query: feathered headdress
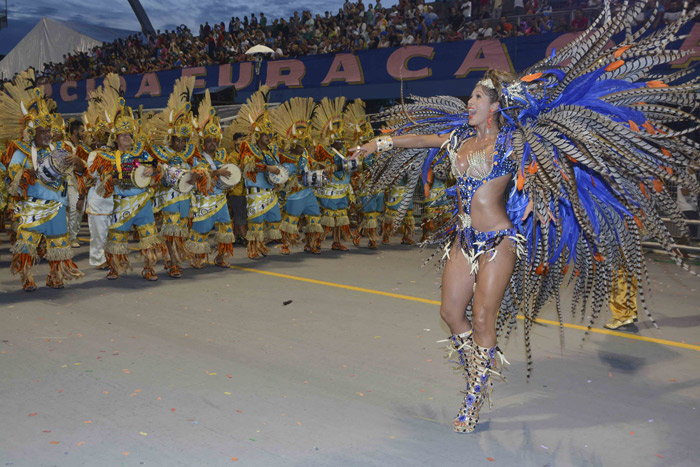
[253, 117]
[358, 129]
[597, 134]
[328, 120]
[118, 116]
[208, 125]
[23, 109]
[176, 119]
[292, 121]
[96, 127]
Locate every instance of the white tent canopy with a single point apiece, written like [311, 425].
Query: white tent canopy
[50, 40]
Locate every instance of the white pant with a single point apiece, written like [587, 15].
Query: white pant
[75, 216]
[99, 219]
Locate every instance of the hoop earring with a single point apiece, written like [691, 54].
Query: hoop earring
[489, 122]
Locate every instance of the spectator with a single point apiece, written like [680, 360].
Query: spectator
[485, 31]
[466, 8]
[519, 7]
[580, 22]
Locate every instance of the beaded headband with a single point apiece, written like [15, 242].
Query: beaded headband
[486, 83]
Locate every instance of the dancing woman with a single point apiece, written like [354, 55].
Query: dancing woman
[591, 137]
[482, 240]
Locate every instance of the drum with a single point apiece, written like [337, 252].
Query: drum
[314, 178]
[178, 178]
[226, 183]
[51, 168]
[351, 165]
[280, 178]
[139, 179]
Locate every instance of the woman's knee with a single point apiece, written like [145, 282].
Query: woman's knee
[483, 320]
[452, 315]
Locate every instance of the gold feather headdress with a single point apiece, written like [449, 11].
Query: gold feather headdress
[328, 120]
[292, 121]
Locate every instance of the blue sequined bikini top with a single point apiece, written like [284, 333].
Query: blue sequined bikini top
[482, 167]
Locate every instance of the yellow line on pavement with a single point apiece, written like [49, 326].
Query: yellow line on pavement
[579, 327]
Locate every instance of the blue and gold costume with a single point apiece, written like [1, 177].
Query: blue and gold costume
[335, 196]
[209, 207]
[263, 204]
[301, 201]
[291, 122]
[394, 198]
[133, 206]
[39, 194]
[257, 155]
[172, 198]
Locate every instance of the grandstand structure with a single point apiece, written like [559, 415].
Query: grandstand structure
[3, 16]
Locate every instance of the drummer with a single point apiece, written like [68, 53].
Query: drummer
[360, 131]
[291, 122]
[38, 184]
[259, 158]
[132, 203]
[209, 202]
[336, 195]
[175, 157]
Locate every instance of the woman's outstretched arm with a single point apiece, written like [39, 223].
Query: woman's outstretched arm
[402, 141]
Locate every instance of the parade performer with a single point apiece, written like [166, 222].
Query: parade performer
[37, 172]
[126, 172]
[587, 135]
[336, 195]
[99, 208]
[291, 122]
[236, 196]
[399, 212]
[358, 130]
[436, 205]
[259, 159]
[170, 133]
[77, 190]
[210, 210]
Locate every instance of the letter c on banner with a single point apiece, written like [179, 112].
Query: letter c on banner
[397, 63]
[66, 96]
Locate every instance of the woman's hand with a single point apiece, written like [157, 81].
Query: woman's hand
[364, 150]
[272, 169]
[148, 172]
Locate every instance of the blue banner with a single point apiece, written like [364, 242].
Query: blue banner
[448, 68]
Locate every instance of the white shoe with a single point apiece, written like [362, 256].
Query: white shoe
[75, 244]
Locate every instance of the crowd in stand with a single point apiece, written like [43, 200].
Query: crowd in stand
[354, 27]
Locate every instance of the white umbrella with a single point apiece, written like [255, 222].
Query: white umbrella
[259, 49]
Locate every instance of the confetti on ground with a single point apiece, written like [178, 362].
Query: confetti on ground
[544, 447]
[239, 411]
[228, 375]
[227, 393]
[651, 420]
[490, 459]
[142, 433]
[33, 414]
[172, 410]
[660, 456]
[234, 459]
[126, 453]
[631, 432]
[299, 423]
[286, 302]
[87, 421]
[80, 443]
[105, 392]
[54, 442]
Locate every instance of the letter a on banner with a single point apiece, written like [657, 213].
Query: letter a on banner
[345, 67]
[484, 55]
